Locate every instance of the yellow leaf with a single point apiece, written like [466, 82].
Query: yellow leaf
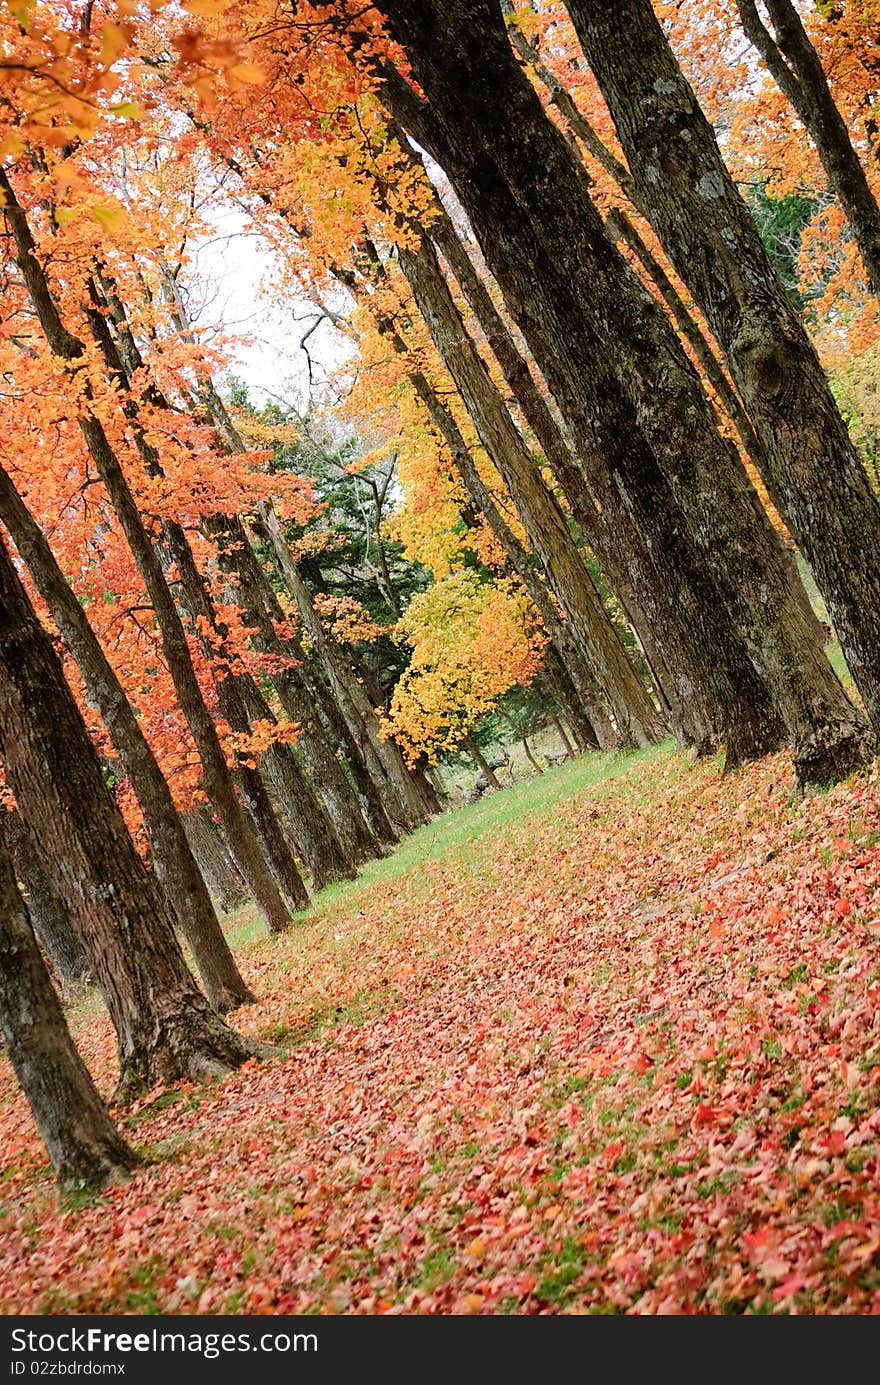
[205, 9]
[12, 146]
[129, 110]
[107, 216]
[114, 40]
[249, 73]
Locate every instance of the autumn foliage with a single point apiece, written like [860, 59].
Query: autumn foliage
[605, 1043]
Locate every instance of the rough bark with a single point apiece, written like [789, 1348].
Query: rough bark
[797, 69]
[620, 228]
[172, 858]
[613, 361]
[638, 721]
[49, 915]
[166, 1029]
[222, 876]
[84, 1146]
[711, 238]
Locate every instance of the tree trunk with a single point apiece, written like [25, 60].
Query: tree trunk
[172, 858]
[614, 363]
[84, 1146]
[198, 604]
[312, 826]
[711, 238]
[565, 693]
[262, 611]
[529, 756]
[49, 915]
[482, 763]
[165, 1028]
[222, 876]
[436, 779]
[560, 731]
[638, 721]
[797, 69]
[384, 759]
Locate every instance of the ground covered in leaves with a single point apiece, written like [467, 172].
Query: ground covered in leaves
[608, 1042]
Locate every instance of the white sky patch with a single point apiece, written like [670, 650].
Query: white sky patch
[232, 272]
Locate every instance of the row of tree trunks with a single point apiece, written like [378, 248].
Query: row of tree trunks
[406, 806]
[218, 778]
[165, 1028]
[196, 601]
[316, 744]
[370, 790]
[637, 720]
[172, 858]
[315, 831]
[621, 229]
[711, 688]
[564, 693]
[605, 529]
[312, 826]
[711, 238]
[250, 817]
[600, 730]
[617, 370]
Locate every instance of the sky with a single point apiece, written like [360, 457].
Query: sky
[233, 268]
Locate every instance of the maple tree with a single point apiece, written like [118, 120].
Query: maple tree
[471, 643]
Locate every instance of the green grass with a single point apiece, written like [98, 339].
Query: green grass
[832, 648]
